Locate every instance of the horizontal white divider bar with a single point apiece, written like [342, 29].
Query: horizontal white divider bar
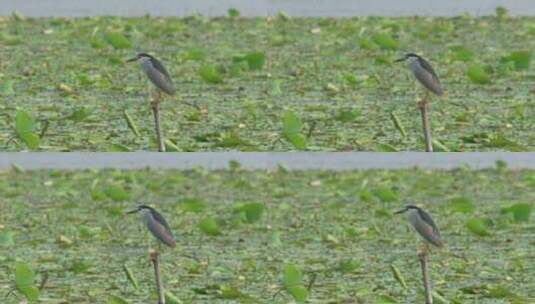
[252, 8]
[337, 161]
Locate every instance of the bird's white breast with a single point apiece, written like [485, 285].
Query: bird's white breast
[414, 217]
[145, 63]
[414, 64]
[146, 216]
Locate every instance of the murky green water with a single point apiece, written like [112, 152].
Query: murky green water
[337, 228]
[336, 76]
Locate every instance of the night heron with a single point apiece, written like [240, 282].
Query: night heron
[159, 76]
[156, 224]
[423, 71]
[424, 224]
[156, 72]
[425, 74]
[426, 227]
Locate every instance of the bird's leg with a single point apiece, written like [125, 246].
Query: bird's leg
[155, 258]
[423, 258]
[423, 105]
[155, 105]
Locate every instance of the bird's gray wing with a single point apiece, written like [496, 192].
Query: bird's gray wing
[161, 230]
[159, 66]
[159, 218]
[160, 77]
[428, 68]
[432, 83]
[429, 229]
[429, 220]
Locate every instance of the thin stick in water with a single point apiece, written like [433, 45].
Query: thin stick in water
[424, 110]
[155, 259]
[422, 256]
[155, 105]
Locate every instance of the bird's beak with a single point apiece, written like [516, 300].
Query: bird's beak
[131, 59]
[400, 59]
[401, 211]
[132, 211]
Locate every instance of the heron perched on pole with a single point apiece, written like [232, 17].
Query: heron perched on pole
[159, 228]
[156, 224]
[159, 76]
[425, 74]
[423, 223]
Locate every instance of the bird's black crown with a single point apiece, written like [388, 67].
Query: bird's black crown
[409, 55]
[141, 207]
[140, 55]
[407, 208]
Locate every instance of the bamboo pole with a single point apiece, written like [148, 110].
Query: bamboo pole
[423, 257]
[155, 259]
[424, 111]
[155, 105]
